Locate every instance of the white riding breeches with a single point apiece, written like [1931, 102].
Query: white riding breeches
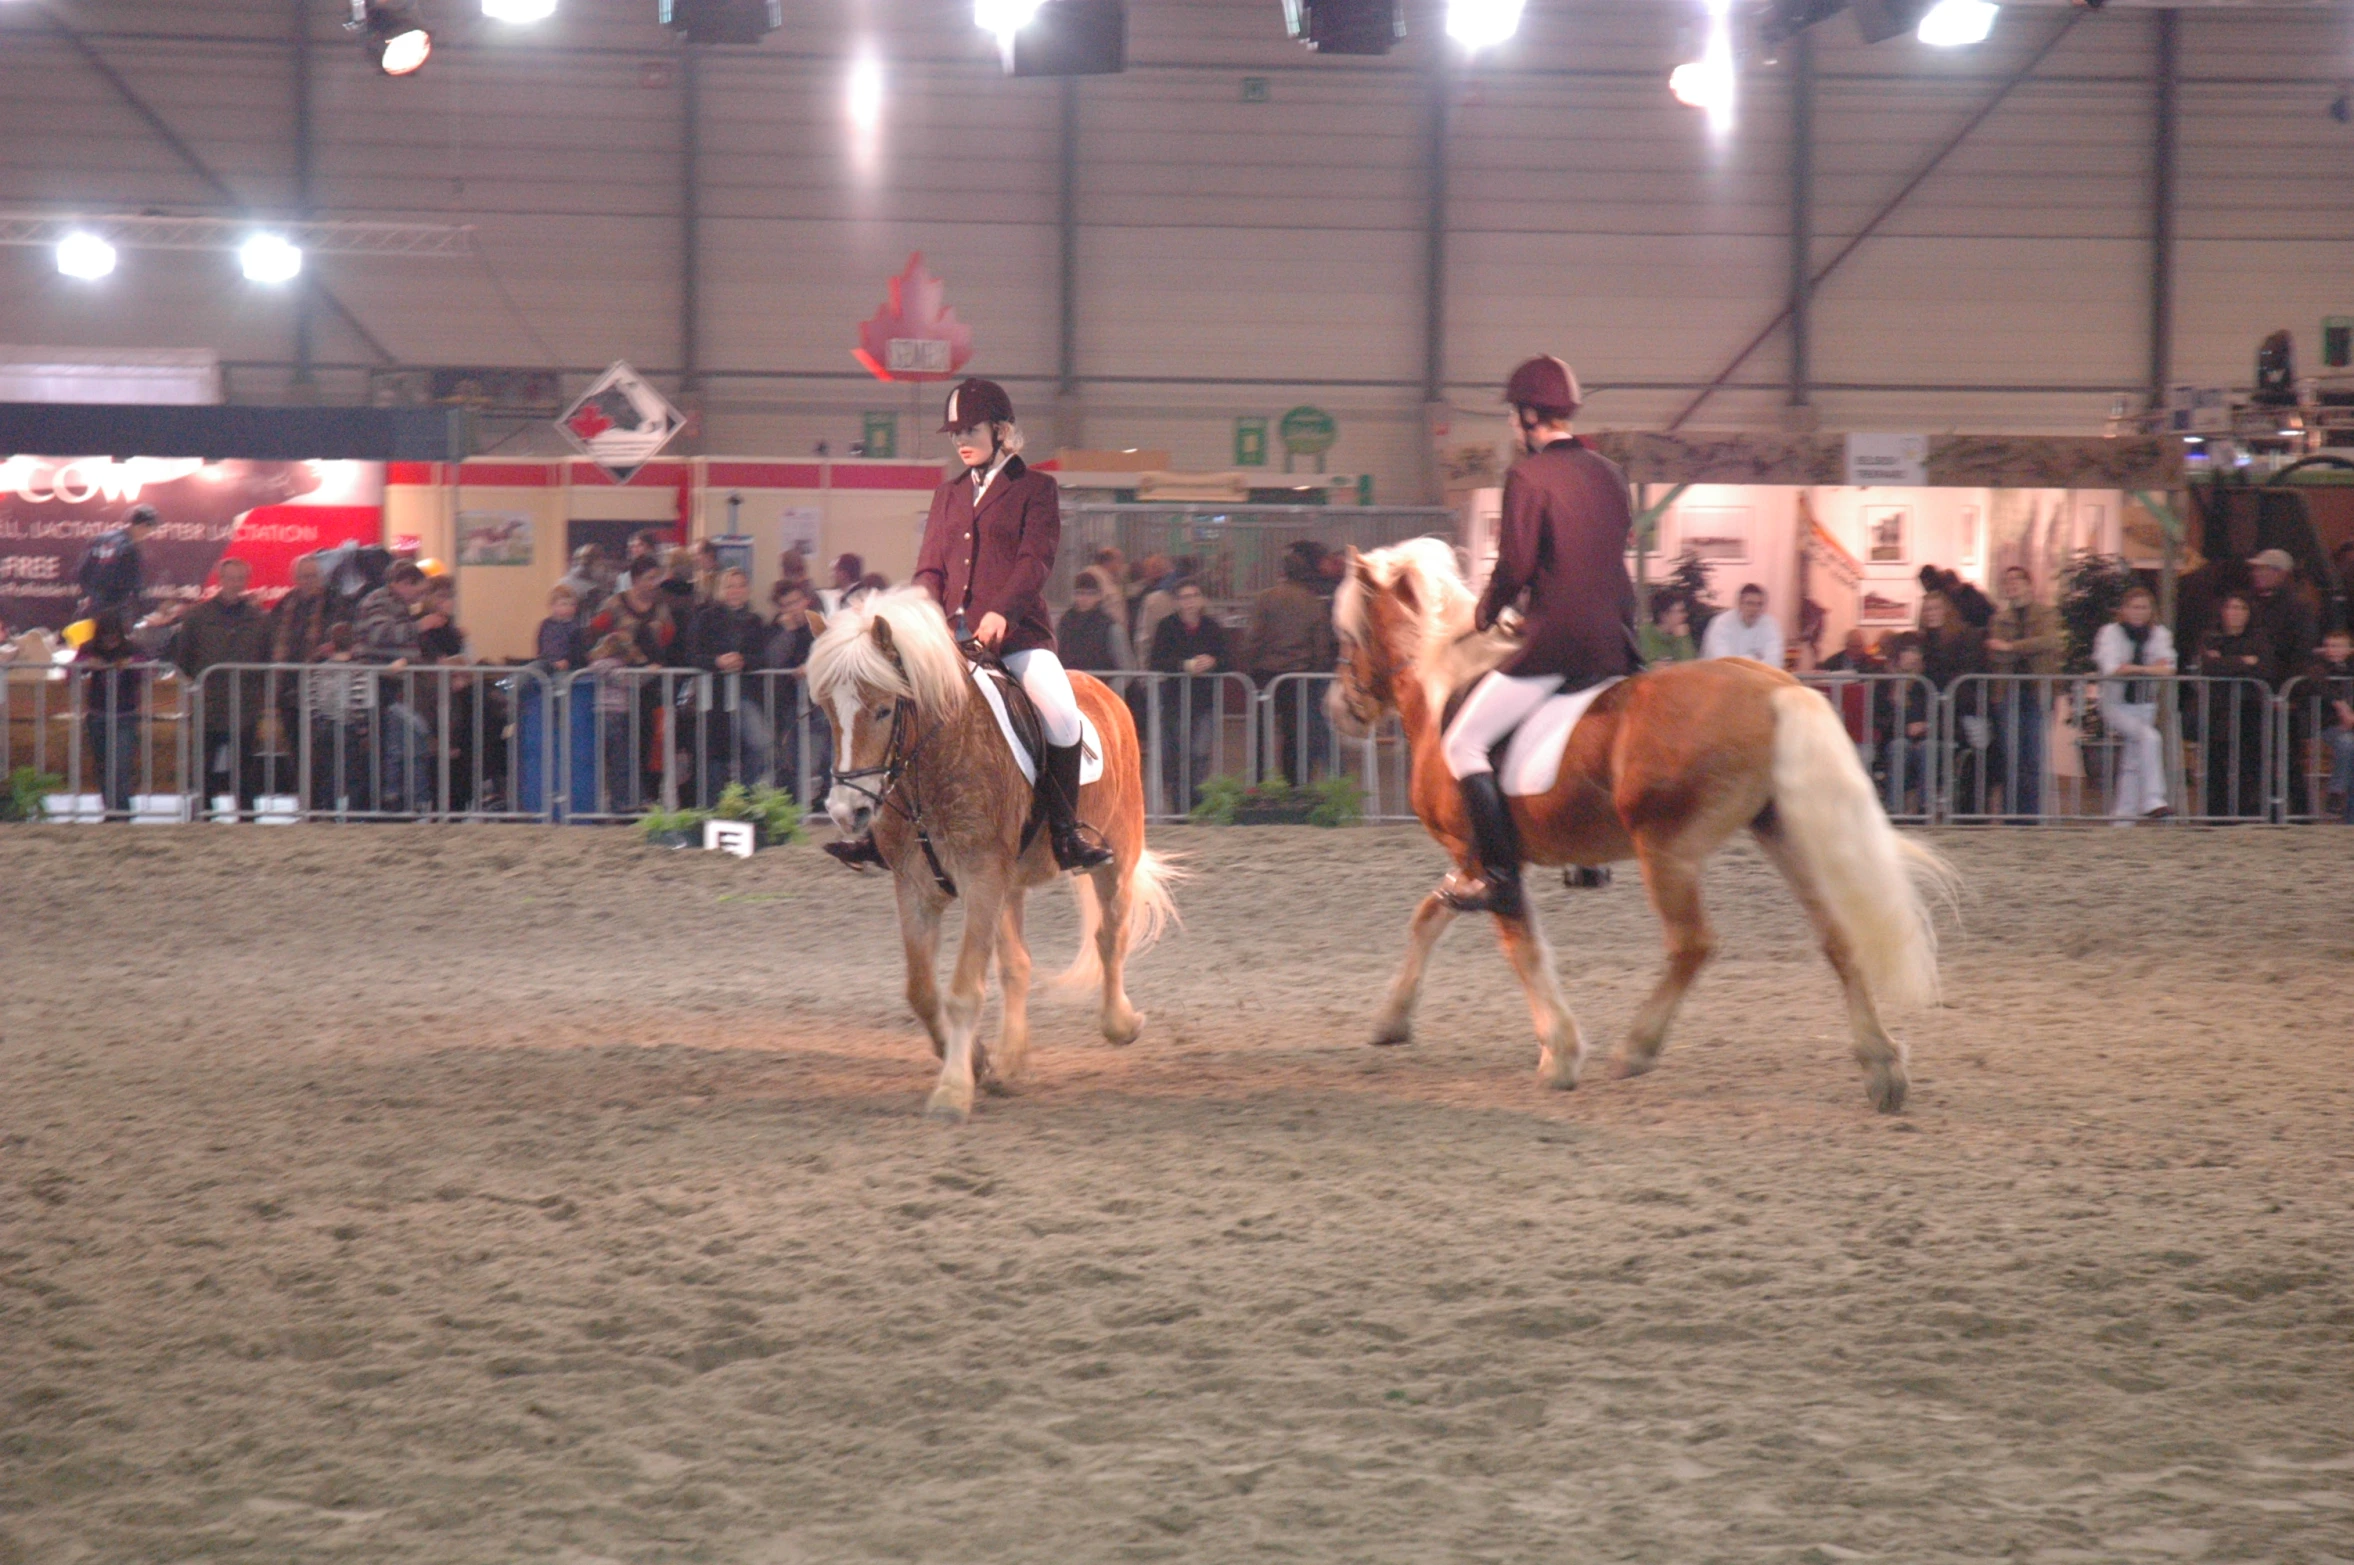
[1049, 690]
[1498, 704]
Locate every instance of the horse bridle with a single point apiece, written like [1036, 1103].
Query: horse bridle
[897, 768]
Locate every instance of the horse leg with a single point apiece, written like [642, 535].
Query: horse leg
[1563, 1054]
[1013, 978]
[1882, 1057]
[1396, 1024]
[968, 988]
[919, 927]
[1121, 1021]
[1673, 879]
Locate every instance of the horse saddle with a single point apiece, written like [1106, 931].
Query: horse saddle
[1017, 719]
[1528, 759]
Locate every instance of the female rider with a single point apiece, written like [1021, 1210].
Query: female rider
[988, 548]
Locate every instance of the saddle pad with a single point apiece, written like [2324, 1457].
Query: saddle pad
[1090, 742]
[1532, 757]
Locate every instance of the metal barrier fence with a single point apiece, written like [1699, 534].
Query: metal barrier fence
[1237, 550]
[349, 741]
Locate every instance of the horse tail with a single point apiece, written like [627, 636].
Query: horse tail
[1151, 910]
[1870, 880]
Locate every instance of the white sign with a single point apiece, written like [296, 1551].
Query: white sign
[798, 527]
[1901, 461]
[729, 837]
[917, 355]
[620, 422]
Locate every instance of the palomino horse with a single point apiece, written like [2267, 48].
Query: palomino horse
[919, 753]
[1662, 768]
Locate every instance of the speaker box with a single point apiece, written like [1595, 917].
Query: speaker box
[723, 21]
[1881, 20]
[1346, 26]
[1071, 38]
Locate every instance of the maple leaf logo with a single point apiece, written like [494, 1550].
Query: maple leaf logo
[588, 421]
[914, 313]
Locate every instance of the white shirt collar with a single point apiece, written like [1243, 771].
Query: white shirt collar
[985, 476]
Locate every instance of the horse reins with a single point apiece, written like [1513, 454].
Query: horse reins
[898, 767]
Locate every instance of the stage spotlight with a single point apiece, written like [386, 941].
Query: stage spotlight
[390, 33]
[518, 10]
[1069, 38]
[1952, 23]
[1003, 17]
[270, 258]
[723, 21]
[84, 255]
[1346, 26]
[1482, 24]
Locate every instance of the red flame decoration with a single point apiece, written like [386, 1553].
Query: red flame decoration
[915, 311]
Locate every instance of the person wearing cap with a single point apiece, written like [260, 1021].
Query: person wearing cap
[2277, 609]
[1562, 543]
[112, 575]
[1291, 633]
[988, 549]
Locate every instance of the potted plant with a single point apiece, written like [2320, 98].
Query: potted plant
[1229, 801]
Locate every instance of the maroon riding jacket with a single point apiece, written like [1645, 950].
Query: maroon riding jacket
[996, 559]
[1563, 541]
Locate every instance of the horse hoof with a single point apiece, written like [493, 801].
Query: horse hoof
[948, 1108]
[1120, 1034]
[1624, 1065]
[1392, 1033]
[1560, 1075]
[1886, 1089]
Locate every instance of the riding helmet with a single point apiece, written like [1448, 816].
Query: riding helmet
[1546, 384]
[974, 403]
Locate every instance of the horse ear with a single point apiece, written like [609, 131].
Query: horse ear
[880, 629]
[1403, 590]
[817, 622]
[1363, 571]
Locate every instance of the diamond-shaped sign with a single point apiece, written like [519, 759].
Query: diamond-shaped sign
[620, 422]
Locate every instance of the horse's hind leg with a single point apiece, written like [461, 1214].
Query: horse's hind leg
[1673, 879]
[919, 927]
[1563, 1055]
[952, 1099]
[1013, 977]
[1396, 1023]
[1113, 896]
[1882, 1057]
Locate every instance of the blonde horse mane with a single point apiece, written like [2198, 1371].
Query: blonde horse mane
[1447, 652]
[928, 669]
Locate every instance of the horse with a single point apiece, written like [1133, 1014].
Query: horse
[1663, 768]
[921, 757]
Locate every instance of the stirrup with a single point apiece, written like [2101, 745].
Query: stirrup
[1075, 853]
[1486, 893]
[857, 852]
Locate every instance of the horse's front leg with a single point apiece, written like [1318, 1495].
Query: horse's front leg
[919, 927]
[1563, 1055]
[1013, 977]
[1396, 1024]
[968, 988]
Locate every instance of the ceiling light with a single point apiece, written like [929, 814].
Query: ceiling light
[1709, 83]
[1482, 24]
[866, 94]
[389, 31]
[1003, 17]
[406, 52]
[518, 10]
[270, 258]
[84, 255]
[1953, 23]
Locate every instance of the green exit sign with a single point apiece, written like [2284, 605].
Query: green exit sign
[881, 434]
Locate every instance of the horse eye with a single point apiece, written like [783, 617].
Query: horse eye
[882, 714]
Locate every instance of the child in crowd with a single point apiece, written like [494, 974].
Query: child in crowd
[617, 720]
[563, 642]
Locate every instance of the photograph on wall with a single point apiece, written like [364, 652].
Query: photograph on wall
[494, 538]
[1888, 535]
[1888, 603]
[1971, 528]
[1715, 535]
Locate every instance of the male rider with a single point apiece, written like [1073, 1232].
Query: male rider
[1562, 542]
[988, 549]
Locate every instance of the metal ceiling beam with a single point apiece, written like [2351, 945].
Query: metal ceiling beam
[2165, 145]
[1887, 210]
[331, 236]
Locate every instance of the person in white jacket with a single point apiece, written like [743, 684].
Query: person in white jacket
[2134, 643]
[1748, 632]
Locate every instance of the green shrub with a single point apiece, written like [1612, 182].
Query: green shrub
[773, 810]
[1336, 801]
[26, 788]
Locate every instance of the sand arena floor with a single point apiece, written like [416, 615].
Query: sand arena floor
[474, 1195]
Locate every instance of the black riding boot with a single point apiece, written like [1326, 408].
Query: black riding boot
[858, 851]
[1497, 842]
[1061, 786]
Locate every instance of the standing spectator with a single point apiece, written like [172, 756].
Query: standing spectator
[641, 615]
[113, 682]
[1111, 569]
[229, 627]
[1952, 648]
[586, 581]
[1087, 636]
[2329, 694]
[342, 700]
[847, 572]
[299, 621]
[1155, 598]
[1666, 636]
[2132, 649]
[1974, 607]
[1748, 632]
[1188, 642]
[2234, 715]
[645, 547]
[1855, 656]
[387, 625]
[1291, 633]
[622, 779]
[439, 640]
[389, 631]
[731, 640]
[1904, 715]
[706, 575]
[112, 575]
[2024, 644]
[2278, 609]
[562, 643]
[789, 713]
